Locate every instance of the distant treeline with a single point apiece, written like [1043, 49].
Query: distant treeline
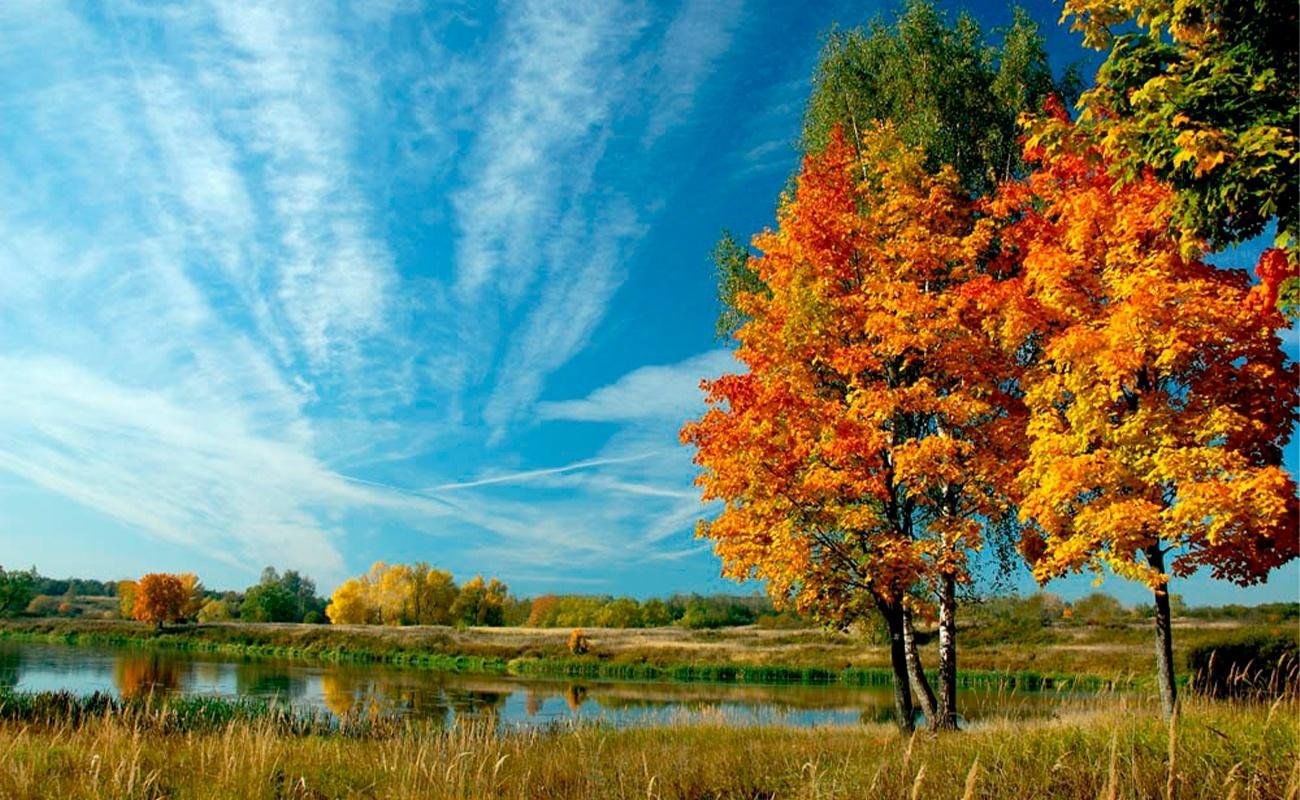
[419, 594]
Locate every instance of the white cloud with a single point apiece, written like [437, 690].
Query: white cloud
[173, 466]
[697, 37]
[538, 144]
[653, 392]
[533, 474]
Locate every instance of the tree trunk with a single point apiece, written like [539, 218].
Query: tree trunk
[893, 614]
[1164, 637]
[921, 690]
[947, 717]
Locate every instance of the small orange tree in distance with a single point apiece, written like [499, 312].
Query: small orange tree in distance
[870, 440]
[1160, 397]
[160, 598]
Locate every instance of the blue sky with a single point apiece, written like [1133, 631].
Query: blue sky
[315, 284]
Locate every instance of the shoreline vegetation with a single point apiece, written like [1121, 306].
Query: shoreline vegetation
[57, 745]
[1081, 660]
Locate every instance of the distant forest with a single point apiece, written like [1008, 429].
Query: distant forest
[387, 596]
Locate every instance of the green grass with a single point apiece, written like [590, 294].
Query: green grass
[1216, 751]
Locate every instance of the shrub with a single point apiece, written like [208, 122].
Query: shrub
[42, 605]
[1099, 609]
[1254, 665]
[578, 642]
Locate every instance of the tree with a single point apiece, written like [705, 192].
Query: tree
[432, 593]
[126, 592]
[480, 603]
[350, 604]
[655, 613]
[1202, 93]
[735, 277]
[866, 444]
[622, 612]
[214, 610]
[16, 590]
[270, 602]
[1160, 399]
[160, 598]
[953, 93]
[195, 595]
[394, 590]
[287, 597]
[948, 89]
[543, 610]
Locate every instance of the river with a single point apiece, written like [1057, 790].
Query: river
[445, 698]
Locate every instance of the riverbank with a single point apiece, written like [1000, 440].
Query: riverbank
[1217, 750]
[1081, 659]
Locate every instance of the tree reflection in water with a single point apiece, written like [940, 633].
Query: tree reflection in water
[352, 693]
[137, 675]
[258, 679]
[11, 664]
[575, 696]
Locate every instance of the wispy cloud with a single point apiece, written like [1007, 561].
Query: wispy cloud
[669, 391]
[532, 474]
[559, 74]
[695, 40]
[208, 319]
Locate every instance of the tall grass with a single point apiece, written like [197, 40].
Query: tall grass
[1214, 751]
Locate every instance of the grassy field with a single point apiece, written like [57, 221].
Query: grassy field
[1216, 750]
[1090, 656]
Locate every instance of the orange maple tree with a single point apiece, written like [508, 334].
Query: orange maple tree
[160, 598]
[865, 448]
[1160, 398]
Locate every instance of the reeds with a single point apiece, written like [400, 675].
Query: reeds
[1124, 751]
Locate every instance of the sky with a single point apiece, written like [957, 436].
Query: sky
[316, 284]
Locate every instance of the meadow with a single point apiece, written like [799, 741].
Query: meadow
[1119, 748]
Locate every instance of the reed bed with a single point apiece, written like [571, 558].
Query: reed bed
[1122, 749]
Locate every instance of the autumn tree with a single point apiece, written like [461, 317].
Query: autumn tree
[160, 598]
[393, 590]
[480, 603]
[195, 595]
[215, 610]
[1202, 93]
[1159, 396]
[864, 449]
[126, 591]
[418, 594]
[351, 604]
[950, 89]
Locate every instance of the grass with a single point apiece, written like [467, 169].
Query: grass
[1216, 750]
[1083, 658]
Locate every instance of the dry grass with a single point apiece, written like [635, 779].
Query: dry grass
[1217, 750]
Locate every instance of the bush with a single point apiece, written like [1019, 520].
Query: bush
[42, 605]
[578, 642]
[1099, 609]
[1254, 665]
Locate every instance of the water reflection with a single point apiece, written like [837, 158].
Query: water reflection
[10, 668]
[446, 699]
[261, 679]
[137, 675]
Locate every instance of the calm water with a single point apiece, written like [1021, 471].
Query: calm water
[446, 697]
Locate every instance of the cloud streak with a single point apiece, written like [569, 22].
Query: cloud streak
[653, 392]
